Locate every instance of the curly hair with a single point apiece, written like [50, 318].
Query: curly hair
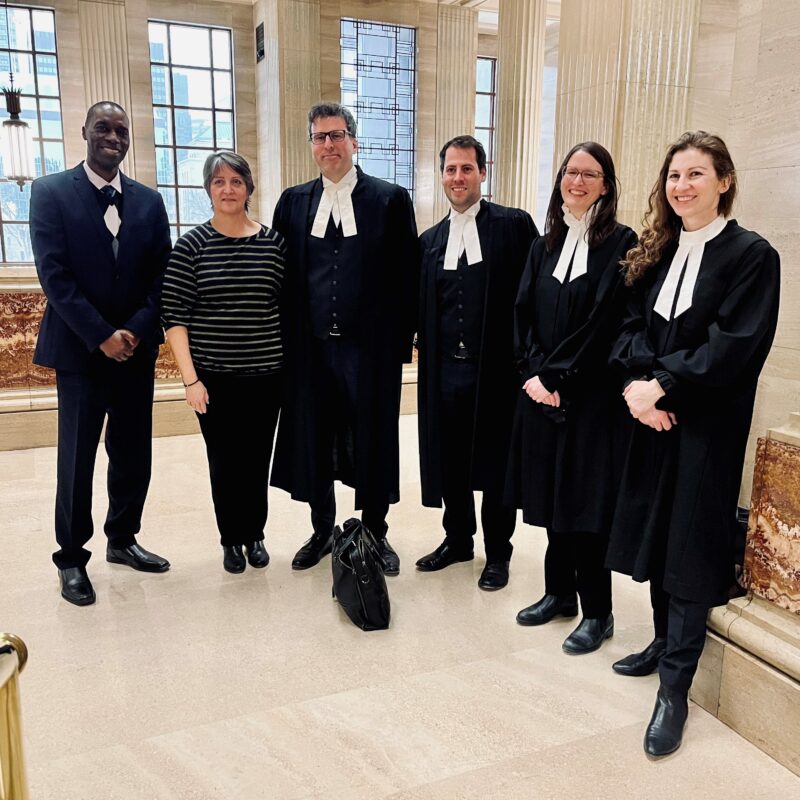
[661, 224]
[605, 217]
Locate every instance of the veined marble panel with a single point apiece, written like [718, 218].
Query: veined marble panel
[772, 555]
[20, 316]
[19, 319]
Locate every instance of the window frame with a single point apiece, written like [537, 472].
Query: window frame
[178, 227]
[492, 127]
[39, 141]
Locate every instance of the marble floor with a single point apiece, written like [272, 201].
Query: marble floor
[198, 684]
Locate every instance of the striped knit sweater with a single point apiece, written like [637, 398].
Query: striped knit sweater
[225, 291]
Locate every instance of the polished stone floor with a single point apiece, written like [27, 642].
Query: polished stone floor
[202, 685]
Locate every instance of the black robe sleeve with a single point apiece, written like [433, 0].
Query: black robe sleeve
[586, 346]
[633, 353]
[526, 350]
[742, 331]
[408, 252]
[589, 343]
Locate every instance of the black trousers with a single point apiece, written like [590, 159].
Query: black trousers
[686, 636]
[336, 364]
[239, 428]
[458, 390]
[122, 393]
[573, 563]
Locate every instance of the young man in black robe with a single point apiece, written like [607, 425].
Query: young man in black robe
[468, 385]
[348, 322]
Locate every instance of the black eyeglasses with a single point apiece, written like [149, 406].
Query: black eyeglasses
[588, 175]
[335, 136]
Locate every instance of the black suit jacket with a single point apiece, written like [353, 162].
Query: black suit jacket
[89, 293]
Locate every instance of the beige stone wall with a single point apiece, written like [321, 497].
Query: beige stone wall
[763, 125]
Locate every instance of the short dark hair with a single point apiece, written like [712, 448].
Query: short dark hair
[97, 106]
[326, 109]
[237, 163]
[604, 220]
[464, 142]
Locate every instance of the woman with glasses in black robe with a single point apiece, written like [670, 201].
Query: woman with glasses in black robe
[562, 468]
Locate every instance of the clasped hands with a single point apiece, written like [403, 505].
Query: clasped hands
[641, 397]
[120, 345]
[534, 388]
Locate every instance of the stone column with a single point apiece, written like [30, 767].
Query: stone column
[624, 80]
[104, 51]
[287, 83]
[520, 67]
[456, 56]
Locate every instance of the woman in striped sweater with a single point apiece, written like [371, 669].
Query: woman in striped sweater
[220, 312]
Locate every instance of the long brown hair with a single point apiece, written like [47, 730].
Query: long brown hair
[661, 224]
[605, 217]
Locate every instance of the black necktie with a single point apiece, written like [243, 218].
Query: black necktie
[111, 195]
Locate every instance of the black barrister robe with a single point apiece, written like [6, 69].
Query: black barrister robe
[562, 467]
[366, 458]
[505, 235]
[677, 505]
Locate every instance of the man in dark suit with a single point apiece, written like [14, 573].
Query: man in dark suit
[350, 303]
[100, 243]
[472, 262]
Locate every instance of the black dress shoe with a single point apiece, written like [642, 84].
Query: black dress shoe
[443, 556]
[665, 731]
[589, 635]
[76, 587]
[547, 608]
[257, 555]
[318, 546]
[136, 557]
[644, 663]
[391, 561]
[233, 558]
[494, 576]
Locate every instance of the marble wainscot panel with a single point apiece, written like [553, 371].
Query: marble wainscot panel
[20, 313]
[772, 555]
[20, 316]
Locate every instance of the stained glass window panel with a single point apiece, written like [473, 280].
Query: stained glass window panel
[378, 84]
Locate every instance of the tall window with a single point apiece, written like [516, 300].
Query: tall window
[192, 82]
[378, 85]
[31, 39]
[485, 96]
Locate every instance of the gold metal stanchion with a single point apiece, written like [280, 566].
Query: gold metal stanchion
[13, 657]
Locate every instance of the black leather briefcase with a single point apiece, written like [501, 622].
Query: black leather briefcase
[358, 582]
